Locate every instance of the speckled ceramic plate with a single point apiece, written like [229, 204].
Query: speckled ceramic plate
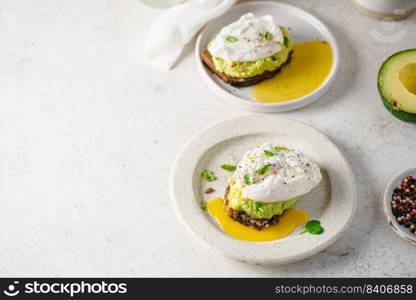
[402, 231]
[333, 202]
[302, 27]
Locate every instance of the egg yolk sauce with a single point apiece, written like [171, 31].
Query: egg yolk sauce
[288, 222]
[310, 65]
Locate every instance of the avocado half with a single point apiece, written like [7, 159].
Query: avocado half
[397, 85]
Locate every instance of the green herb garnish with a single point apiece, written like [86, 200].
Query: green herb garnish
[286, 41]
[313, 227]
[248, 179]
[267, 36]
[228, 167]
[257, 205]
[208, 175]
[279, 148]
[231, 39]
[269, 153]
[204, 205]
[262, 169]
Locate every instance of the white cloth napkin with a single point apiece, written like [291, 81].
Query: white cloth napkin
[174, 28]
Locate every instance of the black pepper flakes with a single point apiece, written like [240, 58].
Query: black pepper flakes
[403, 203]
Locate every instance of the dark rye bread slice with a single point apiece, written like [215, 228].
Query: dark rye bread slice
[247, 220]
[241, 82]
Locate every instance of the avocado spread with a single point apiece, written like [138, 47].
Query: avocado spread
[258, 210]
[257, 67]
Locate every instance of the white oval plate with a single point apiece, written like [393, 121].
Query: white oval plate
[333, 202]
[401, 230]
[302, 27]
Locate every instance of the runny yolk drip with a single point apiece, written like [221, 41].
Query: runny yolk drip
[291, 219]
[310, 65]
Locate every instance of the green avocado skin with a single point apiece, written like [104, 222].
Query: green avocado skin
[401, 115]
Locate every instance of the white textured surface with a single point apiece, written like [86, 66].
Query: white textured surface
[89, 133]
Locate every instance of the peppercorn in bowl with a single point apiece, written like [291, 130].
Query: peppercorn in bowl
[400, 204]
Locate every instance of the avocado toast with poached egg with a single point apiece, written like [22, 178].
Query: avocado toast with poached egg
[267, 181]
[249, 50]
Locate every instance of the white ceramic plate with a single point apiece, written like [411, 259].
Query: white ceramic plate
[333, 202]
[302, 27]
[401, 230]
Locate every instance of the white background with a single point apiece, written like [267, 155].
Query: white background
[89, 133]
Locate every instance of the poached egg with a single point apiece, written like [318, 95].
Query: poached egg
[248, 39]
[271, 174]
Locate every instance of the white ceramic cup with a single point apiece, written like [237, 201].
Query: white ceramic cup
[396, 9]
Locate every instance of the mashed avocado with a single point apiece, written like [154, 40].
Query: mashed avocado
[257, 67]
[258, 210]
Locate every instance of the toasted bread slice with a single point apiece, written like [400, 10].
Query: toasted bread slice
[240, 82]
[247, 220]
